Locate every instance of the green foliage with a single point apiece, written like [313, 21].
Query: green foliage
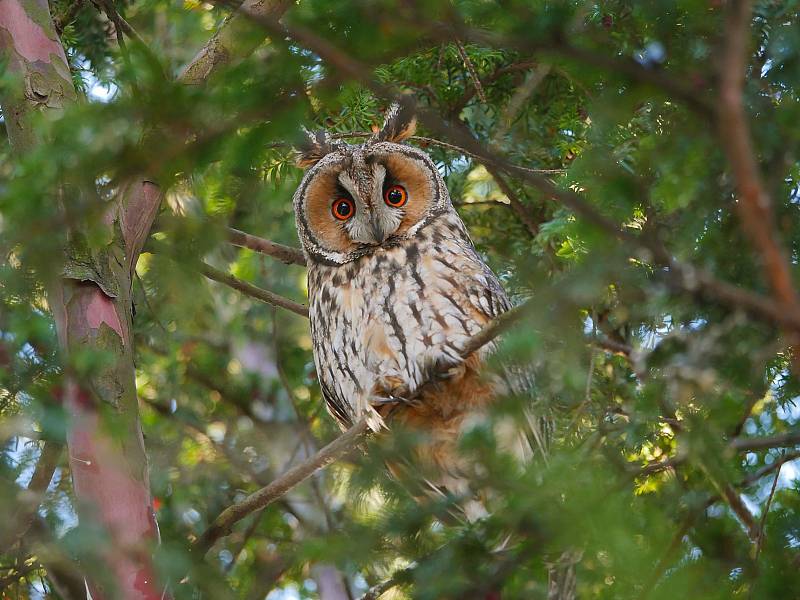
[648, 382]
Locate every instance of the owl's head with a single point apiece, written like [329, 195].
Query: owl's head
[356, 199]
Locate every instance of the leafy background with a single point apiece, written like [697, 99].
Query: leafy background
[650, 382]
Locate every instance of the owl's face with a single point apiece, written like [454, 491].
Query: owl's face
[357, 199]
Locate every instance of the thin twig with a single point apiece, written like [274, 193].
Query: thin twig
[518, 100]
[521, 66]
[421, 139]
[762, 523]
[532, 222]
[462, 52]
[378, 590]
[767, 469]
[253, 291]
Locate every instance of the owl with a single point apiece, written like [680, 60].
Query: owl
[396, 288]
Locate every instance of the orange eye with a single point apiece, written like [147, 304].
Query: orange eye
[395, 195]
[343, 208]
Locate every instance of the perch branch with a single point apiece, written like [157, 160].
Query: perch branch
[225, 521]
[223, 524]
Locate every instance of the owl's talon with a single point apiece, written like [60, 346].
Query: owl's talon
[390, 399]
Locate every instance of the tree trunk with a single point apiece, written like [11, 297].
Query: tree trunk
[91, 304]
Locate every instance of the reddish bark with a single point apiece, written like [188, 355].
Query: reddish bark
[92, 311]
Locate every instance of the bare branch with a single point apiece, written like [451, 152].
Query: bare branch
[223, 524]
[767, 469]
[31, 498]
[532, 222]
[763, 522]
[734, 501]
[476, 82]
[791, 438]
[347, 441]
[232, 40]
[253, 291]
[285, 254]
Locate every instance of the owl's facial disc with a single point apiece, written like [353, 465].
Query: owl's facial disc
[367, 198]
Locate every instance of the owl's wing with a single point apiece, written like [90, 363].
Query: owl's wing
[336, 406]
[490, 299]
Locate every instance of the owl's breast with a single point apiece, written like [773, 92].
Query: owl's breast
[381, 324]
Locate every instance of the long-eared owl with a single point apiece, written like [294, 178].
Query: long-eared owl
[396, 288]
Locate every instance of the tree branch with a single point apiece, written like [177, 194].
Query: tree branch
[754, 205]
[378, 590]
[689, 278]
[767, 469]
[791, 438]
[31, 498]
[285, 254]
[734, 501]
[765, 512]
[253, 291]
[476, 82]
[531, 222]
[223, 524]
[521, 66]
[233, 40]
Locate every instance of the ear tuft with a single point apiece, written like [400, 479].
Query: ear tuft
[401, 121]
[316, 145]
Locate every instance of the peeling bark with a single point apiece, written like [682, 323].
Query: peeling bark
[37, 61]
[91, 304]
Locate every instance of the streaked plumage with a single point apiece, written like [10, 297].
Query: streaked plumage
[395, 292]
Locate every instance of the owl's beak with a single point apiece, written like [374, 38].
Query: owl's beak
[377, 230]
